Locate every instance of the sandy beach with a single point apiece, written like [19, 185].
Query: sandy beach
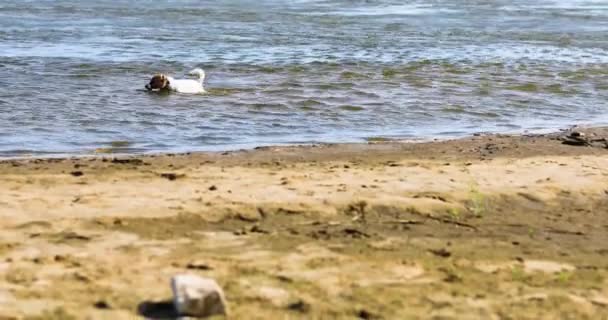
[486, 227]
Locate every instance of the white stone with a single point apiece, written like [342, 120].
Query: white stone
[197, 296]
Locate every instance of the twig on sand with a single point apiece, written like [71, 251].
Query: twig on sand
[404, 222]
[448, 221]
[559, 231]
[442, 220]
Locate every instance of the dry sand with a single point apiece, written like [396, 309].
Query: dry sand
[488, 227]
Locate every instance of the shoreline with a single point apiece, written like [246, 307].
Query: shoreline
[422, 148]
[479, 227]
[110, 151]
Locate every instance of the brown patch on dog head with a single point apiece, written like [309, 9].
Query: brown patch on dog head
[158, 81]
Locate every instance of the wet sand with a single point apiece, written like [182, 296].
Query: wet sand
[488, 227]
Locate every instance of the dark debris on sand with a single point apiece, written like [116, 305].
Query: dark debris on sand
[579, 138]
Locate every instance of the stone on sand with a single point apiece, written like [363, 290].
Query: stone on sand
[197, 296]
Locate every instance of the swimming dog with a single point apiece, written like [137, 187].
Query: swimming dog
[164, 82]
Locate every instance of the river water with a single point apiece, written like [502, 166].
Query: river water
[72, 72]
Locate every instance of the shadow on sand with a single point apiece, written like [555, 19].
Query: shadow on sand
[157, 310]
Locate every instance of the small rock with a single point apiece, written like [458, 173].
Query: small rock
[77, 173]
[198, 265]
[81, 277]
[283, 278]
[354, 233]
[197, 296]
[101, 304]
[249, 215]
[441, 252]
[536, 297]
[171, 176]
[366, 315]
[299, 306]
[577, 134]
[258, 229]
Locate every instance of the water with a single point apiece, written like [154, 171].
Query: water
[303, 71]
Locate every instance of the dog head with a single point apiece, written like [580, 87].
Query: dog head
[158, 81]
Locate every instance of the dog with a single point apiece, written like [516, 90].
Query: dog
[164, 82]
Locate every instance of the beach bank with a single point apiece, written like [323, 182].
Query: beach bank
[487, 227]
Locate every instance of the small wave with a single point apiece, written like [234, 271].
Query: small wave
[310, 104]
[402, 10]
[351, 108]
[352, 75]
[218, 91]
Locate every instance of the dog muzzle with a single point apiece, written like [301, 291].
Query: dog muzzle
[148, 87]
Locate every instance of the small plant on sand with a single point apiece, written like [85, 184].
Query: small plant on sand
[454, 213]
[518, 273]
[357, 209]
[451, 273]
[478, 203]
[564, 276]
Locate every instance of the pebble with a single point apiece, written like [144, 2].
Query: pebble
[198, 265]
[577, 134]
[101, 304]
[76, 173]
[171, 176]
[299, 306]
[197, 296]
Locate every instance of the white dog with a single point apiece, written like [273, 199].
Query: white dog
[163, 82]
